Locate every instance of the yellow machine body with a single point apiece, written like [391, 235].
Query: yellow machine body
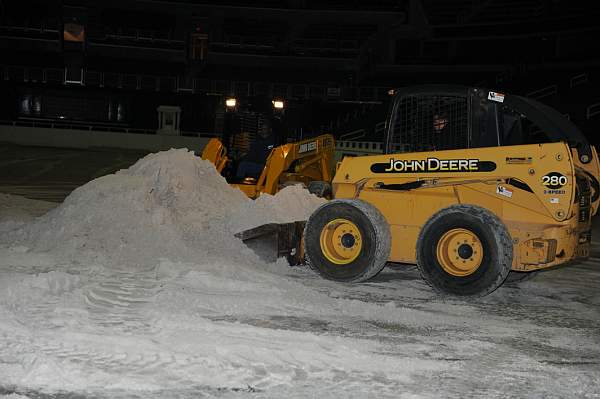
[533, 189]
[299, 162]
[592, 170]
[216, 153]
[457, 193]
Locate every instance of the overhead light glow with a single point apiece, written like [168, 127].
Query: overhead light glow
[278, 104]
[231, 102]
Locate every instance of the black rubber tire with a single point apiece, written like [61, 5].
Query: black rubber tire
[495, 239]
[376, 240]
[520, 277]
[321, 189]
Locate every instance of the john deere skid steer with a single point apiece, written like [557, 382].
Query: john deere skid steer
[474, 184]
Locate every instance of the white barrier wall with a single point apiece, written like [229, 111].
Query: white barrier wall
[72, 138]
[68, 138]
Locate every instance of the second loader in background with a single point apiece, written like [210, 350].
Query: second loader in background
[308, 162]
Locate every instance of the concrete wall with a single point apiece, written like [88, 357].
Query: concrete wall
[68, 138]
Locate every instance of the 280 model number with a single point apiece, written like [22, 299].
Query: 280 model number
[554, 180]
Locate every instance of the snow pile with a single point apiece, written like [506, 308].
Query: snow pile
[170, 204]
[290, 204]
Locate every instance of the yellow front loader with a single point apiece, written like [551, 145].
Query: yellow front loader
[308, 162]
[454, 196]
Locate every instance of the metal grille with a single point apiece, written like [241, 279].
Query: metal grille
[426, 123]
[584, 195]
[244, 133]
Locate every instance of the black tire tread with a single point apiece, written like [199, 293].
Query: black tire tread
[520, 277]
[320, 188]
[382, 234]
[501, 234]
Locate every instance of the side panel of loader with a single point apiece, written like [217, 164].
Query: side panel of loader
[215, 152]
[531, 188]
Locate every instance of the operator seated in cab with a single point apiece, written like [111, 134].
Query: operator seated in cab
[253, 162]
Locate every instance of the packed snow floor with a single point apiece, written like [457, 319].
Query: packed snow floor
[134, 286]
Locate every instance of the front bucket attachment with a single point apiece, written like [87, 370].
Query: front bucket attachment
[276, 240]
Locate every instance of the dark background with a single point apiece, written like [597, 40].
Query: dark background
[112, 63]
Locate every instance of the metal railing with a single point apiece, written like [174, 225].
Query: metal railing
[544, 92]
[354, 135]
[592, 110]
[359, 146]
[367, 147]
[578, 80]
[378, 129]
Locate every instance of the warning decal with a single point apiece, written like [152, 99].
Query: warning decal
[495, 96]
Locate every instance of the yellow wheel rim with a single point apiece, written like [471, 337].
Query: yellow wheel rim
[459, 252]
[341, 241]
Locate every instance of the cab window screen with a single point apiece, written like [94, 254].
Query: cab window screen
[426, 123]
[518, 129]
[532, 133]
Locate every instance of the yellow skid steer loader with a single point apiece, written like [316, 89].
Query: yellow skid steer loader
[453, 195]
[308, 162]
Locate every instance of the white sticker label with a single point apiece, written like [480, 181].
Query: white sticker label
[306, 147]
[503, 191]
[554, 200]
[494, 96]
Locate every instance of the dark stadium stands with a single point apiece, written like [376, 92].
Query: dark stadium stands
[194, 53]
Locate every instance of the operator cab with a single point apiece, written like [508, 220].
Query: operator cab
[250, 157]
[448, 117]
[444, 117]
[230, 173]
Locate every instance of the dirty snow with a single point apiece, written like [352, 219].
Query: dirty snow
[135, 286]
[168, 205]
